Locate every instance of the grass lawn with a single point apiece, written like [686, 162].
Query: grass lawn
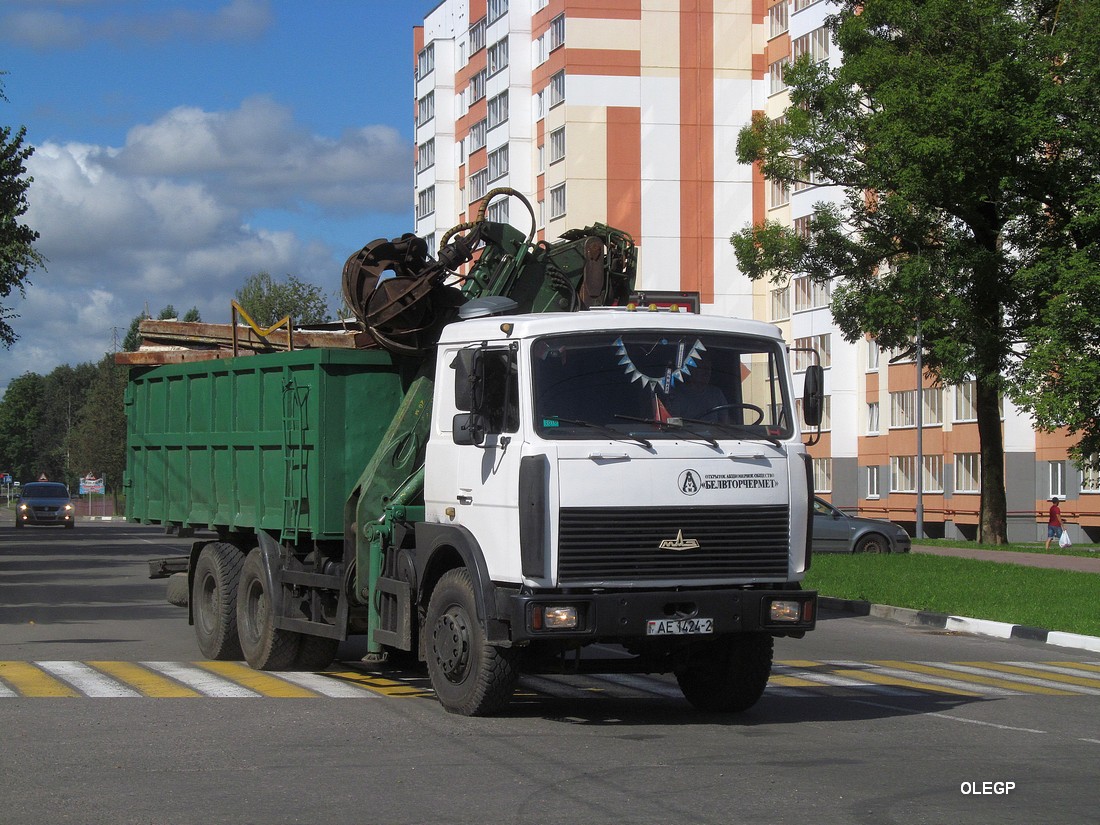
[1049, 599]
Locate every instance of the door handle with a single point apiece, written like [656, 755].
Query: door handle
[465, 499]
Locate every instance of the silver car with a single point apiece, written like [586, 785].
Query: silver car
[837, 532]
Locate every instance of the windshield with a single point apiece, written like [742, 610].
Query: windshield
[45, 491]
[660, 385]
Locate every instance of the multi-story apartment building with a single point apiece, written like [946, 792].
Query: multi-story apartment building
[627, 112]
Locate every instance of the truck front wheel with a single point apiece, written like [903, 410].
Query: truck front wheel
[214, 600]
[727, 674]
[470, 676]
[264, 646]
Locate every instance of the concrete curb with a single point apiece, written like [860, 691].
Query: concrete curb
[961, 624]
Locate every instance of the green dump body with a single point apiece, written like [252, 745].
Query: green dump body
[271, 442]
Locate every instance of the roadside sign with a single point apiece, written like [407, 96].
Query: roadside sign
[5, 478]
[91, 484]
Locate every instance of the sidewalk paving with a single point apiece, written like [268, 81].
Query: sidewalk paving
[1051, 561]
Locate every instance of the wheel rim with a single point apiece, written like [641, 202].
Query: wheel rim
[208, 599]
[451, 643]
[255, 608]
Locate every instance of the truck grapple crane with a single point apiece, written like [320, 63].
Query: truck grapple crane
[425, 492]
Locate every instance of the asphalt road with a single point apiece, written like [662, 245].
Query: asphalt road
[864, 721]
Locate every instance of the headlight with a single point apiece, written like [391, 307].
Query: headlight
[68, 507]
[785, 610]
[22, 508]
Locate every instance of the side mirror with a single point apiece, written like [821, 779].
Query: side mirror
[468, 429]
[813, 395]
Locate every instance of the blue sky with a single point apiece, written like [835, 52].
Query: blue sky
[183, 145]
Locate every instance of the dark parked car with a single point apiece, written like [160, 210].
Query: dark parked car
[44, 502]
[837, 532]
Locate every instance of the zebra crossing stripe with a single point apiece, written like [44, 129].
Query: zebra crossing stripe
[145, 681]
[262, 683]
[28, 680]
[911, 684]
[205, 682]
[976, 676]
[325, 685]
[88, 680]
[1027, 676]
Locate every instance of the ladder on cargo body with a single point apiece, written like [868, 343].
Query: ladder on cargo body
[294, 453]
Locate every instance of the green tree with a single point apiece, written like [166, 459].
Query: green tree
[18, 257]
[63, 392]
[132, 341]
[20, 413]
[949, 127]
[97, 441]
[267, 300]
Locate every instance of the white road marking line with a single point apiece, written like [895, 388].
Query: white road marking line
[87, 680]
[328, 686]
[201, 680]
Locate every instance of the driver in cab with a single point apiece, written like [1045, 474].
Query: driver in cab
[696, 397]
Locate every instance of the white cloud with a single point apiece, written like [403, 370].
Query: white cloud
[182, 213]
[52, 28]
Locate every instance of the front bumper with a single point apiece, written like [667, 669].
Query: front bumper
[620, 615]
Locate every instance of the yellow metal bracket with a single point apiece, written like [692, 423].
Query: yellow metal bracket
[263, 333]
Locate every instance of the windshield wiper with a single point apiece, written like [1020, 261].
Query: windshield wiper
[610, 433]
[674, 424]
[744, 429]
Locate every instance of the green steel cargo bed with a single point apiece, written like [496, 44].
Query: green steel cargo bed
[272, 442]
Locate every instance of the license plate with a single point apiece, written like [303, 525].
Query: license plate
[679, 627]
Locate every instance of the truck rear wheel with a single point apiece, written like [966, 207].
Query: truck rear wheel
[727, 674]
[315, 652]
[264, 646]
[214, 600]
[470, 676]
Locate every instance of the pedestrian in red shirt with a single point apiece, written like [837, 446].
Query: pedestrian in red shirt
[1054, 522]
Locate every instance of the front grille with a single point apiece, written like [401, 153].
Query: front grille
[622, 544]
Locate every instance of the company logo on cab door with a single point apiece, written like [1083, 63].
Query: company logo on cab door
[689, 482]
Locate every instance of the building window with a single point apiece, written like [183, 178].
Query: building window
[498, 109]
[498, 163]
[873, 353]
[477, 86]
[425, 202]
[777, 17]
[932, 398]
[557, 145]
[425, 155]
[477, 36]
[872, 481]
[476, 137]
[498, 211]
[496, 58]
[801, 227]
[819, 344]
[776, 83]
[903, 474]
[799, 5]
[479, 185]
[872, 418]
[966, 401]
[933, 474]
[496, 10]
[557, 32]
[557, 201]
[557, 89]
[1090, 476]
[823, 475]
[779, 303]
[1056, 472]
[810, 294]
[779, 193]
[815, 44]
[425, 61]
[903, 408]
[425, 109]
[968, 473]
